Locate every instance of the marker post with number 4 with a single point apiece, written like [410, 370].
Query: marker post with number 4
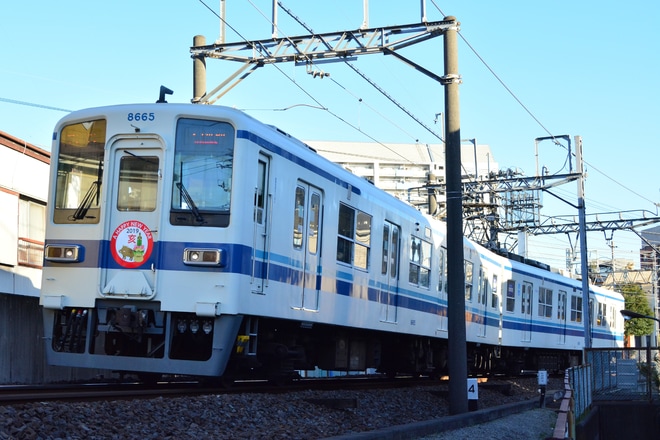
[543, 382]
[473, 394]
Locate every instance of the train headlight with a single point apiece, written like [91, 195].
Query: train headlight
[63, 253]
[181, 325]
[203, 257]
[207, 326]
[194, 326]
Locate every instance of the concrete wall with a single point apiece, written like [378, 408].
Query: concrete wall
[22, 354]
[634, 420]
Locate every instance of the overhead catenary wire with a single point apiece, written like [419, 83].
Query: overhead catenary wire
[533, 116]
[302, 89]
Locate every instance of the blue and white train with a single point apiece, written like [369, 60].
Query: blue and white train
[195, 240]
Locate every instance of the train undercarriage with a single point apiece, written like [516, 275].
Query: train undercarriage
[254, 347]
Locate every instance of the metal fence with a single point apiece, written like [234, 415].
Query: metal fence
[621, 374]
[580, 381]
[625, 373]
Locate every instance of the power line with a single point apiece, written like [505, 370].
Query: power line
[529, 112]
[32, 104]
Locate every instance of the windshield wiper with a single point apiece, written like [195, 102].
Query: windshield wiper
[86, 203]
[189, 201]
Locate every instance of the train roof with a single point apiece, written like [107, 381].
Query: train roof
[366, 188]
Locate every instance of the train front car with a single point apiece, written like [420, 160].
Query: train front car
[132, 280]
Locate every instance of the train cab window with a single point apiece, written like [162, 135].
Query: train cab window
[576, 308]
[467, 267]
[79, 172]
[545, 302]
[420, 262]
[353, 237]
[203, 166]
[510, 296]
[138, 183]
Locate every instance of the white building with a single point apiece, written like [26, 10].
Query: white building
[23, 192]
[402, 169]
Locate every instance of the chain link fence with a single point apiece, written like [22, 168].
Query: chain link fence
[625, 373]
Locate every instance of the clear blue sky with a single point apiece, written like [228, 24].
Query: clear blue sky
[580, 68]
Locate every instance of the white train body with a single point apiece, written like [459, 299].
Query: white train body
[192, 239]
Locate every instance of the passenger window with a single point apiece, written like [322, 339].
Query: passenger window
[420, 262]
[545, 302]
[467, 265]
[299, 218]
[510, 295]
[353, 237]
[314, 216]
[494, 297]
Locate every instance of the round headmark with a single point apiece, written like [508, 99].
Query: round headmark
[131, 244]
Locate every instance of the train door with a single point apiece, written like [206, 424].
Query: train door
[389, 272]
[526, 310]
[561, 316]
[261, 219]
[133, 218]
[307, 245]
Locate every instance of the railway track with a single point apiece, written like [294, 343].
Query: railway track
[13, 394]
[304, 409]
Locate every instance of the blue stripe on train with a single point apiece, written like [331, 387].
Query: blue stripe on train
[169, 256]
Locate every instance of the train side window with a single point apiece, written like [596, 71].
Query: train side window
[260, 194]
[494, 296]
[314, 219]
[601, 317]
[510, 295]
[482, 294]
[299, 218]
[420, 262]
[353, 237]
[526, 303]
[576, 308]
[561, 306]
[545, 302]
[386, 255]
[468, 266]
[442, 271]
[362, 240]
[79, 172]
[395, 253]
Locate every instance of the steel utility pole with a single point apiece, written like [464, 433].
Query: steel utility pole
[345, 46]
[586, 319]
[455, 271]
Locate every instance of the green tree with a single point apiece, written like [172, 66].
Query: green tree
[636, 301]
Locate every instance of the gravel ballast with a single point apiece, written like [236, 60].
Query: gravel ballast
[293, 415]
